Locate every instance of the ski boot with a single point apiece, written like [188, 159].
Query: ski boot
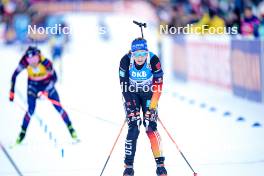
[161, 171]
[21, 136]
[72, 132]
[129, 171]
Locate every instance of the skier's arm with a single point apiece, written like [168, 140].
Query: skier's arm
[21, 66]
[157, 81]
[48, 64]
[124, 77]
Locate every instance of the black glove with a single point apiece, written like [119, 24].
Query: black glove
[151, 115]
[150, 120]
[132, 115]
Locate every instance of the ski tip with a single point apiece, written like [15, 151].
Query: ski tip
[195, 174]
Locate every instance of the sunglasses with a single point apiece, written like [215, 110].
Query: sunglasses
[32, 53]
[140, 54]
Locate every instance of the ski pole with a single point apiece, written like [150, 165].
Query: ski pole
[20, 106]
[140, 25]
[51, 100]
[113, 147]
[54, 102]
[10, 159]
[194, 173]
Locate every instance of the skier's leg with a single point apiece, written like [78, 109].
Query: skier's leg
[53, 94]
[150, 123]
[31, 100]
[134, 122]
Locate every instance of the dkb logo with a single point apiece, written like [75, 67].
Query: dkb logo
[141, 74]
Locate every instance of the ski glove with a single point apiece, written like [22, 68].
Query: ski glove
[150, 120]
[11, 95]
[151, 115]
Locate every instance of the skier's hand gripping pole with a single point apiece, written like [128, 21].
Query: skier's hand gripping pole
[194, 173]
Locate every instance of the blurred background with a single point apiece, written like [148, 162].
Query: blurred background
[213, 95]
